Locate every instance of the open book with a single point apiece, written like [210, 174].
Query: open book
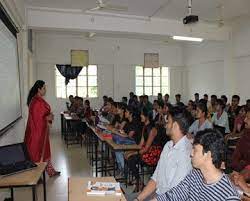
[104, 188]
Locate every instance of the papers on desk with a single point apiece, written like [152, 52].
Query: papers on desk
[104, 188]
[101, 126]
[103, 120]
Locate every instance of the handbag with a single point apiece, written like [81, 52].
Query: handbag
[152, 156]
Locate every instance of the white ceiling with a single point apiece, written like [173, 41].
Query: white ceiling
[171, 9]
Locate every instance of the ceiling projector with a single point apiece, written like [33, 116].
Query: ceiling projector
[190, 19]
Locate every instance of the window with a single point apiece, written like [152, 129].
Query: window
[151, 81]
[85, 85]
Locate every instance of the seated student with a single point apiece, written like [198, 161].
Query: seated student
[150, 141]
[233, 110]
[70, 103]
[119, 120]
[239, 180]
[130, 101]
[133, 126]
[241, 155]
[212, 105]
[79, 107]
[154, 113]
[178, 100]
[124, 100]
[107, 105]
[136, 105]
[110, 110]
[166, 99]
[132, 130]
[105, 100]
[220, 117]
[205, 100]
[141, 103]
[206, 181]
[160, 99]
[175, 161]
[239, 120]
[191, 108]
[166, 108]
[162, 111]
[196, 98]
[73, 106]
[202, 100]
[150, 146]
[147, 104]
[160, 124]
[83, 112]
[87, 114]
[202, 122]
[205, 97]
[248, 104]
[224, 99]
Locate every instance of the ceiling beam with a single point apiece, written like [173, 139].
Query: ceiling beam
[58, 19]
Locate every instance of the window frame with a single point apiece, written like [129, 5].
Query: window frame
[152, 80]
[76, 85]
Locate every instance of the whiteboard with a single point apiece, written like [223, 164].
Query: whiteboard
[10, 105]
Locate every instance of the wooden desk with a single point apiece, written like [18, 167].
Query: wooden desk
[121, 147]
[28, 178]
[77, 190]
[66, 127]
[114, 147]
[99, 137]
[98, 134]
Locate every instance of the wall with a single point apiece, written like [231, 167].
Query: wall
[115, 57]
[205, 62]
[241, 52]
[221, 67]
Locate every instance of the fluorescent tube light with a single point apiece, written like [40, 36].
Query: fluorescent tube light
[187, 38]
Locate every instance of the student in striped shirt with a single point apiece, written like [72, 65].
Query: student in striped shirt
[206, 182]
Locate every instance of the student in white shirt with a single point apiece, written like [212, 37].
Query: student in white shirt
[202, 122]
[206, 182]
[220, 117]
[175, 161]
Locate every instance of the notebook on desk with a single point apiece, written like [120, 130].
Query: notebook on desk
[14, 158]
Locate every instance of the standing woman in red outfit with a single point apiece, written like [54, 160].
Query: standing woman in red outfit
[37, 129]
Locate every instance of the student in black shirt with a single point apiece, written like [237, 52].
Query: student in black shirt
[132, 131]
[119, 119]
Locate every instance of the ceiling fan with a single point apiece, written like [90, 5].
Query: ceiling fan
[101, 5]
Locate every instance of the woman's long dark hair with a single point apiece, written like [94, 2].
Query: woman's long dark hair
[33, 91]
